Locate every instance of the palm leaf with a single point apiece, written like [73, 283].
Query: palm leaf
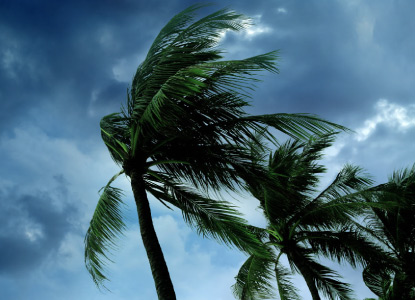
[297, 126]
[170, 72]
[286, 289]
[326, 280]
[211, 218]
[105, 227]
[296, 175]
[221, 167]
[380, 283]
[115, 134]
[340, 201]
[346, 245]
[254, 279]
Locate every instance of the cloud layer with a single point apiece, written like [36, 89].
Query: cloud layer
[65, 65]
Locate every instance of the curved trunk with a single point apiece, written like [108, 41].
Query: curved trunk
[305, 272]
[160, 272]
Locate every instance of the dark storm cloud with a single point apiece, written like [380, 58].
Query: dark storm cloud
[32, 227]
[48, 48]
[337, 58]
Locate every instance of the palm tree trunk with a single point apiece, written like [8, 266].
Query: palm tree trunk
[305, 272]
[161, 276]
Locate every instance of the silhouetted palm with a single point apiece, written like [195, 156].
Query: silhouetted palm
[394, 228]
[184, 132]
[304, 224]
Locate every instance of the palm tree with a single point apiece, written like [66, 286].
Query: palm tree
[304, 224]
[183, 133]
[394, 228]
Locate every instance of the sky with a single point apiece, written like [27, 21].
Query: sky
[64, 65]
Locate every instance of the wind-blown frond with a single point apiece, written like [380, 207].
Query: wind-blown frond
[105, 227]
[173, 68]
[296, 176]
[286, 289]
[254, 279]
[221, 166]
[349, 180]
[211, 218]
[326, 280]
[346, 245]
[340, 201]
[298, 126]
[380, 283]
[393, 226]
[115, 134]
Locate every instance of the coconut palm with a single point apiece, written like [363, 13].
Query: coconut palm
[394, 228]
[183, 134]
[304, 224]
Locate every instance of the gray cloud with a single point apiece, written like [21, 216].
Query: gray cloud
[32, 228]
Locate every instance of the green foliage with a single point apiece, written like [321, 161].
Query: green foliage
[304, 224]
[286, 290]
[211, 218]
[184, 131]
[394, 227]
[106, 225]
[254, 279]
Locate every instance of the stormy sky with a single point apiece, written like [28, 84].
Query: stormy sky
[64, 65]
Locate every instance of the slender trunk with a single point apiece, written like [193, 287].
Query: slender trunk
[161, 276]
[307, 277]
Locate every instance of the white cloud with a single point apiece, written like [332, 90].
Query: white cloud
[124, 69]
[282, 10]
[34, 232]
[390, 114]
[256, 29]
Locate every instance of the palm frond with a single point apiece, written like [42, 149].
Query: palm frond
[105, 227]
[211, 218]
[340, 201]
[326, 280]
[403, 177]
[286, 289]
[173, 68]
[222, 166]
[346, 245]
[297, 126]
[296, 176]
[349, 180]
[254, 279]
[380, 283]
[115, 134]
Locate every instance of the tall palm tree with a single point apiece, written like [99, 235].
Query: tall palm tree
[182, 133]
[394, 228]
[304, 224]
